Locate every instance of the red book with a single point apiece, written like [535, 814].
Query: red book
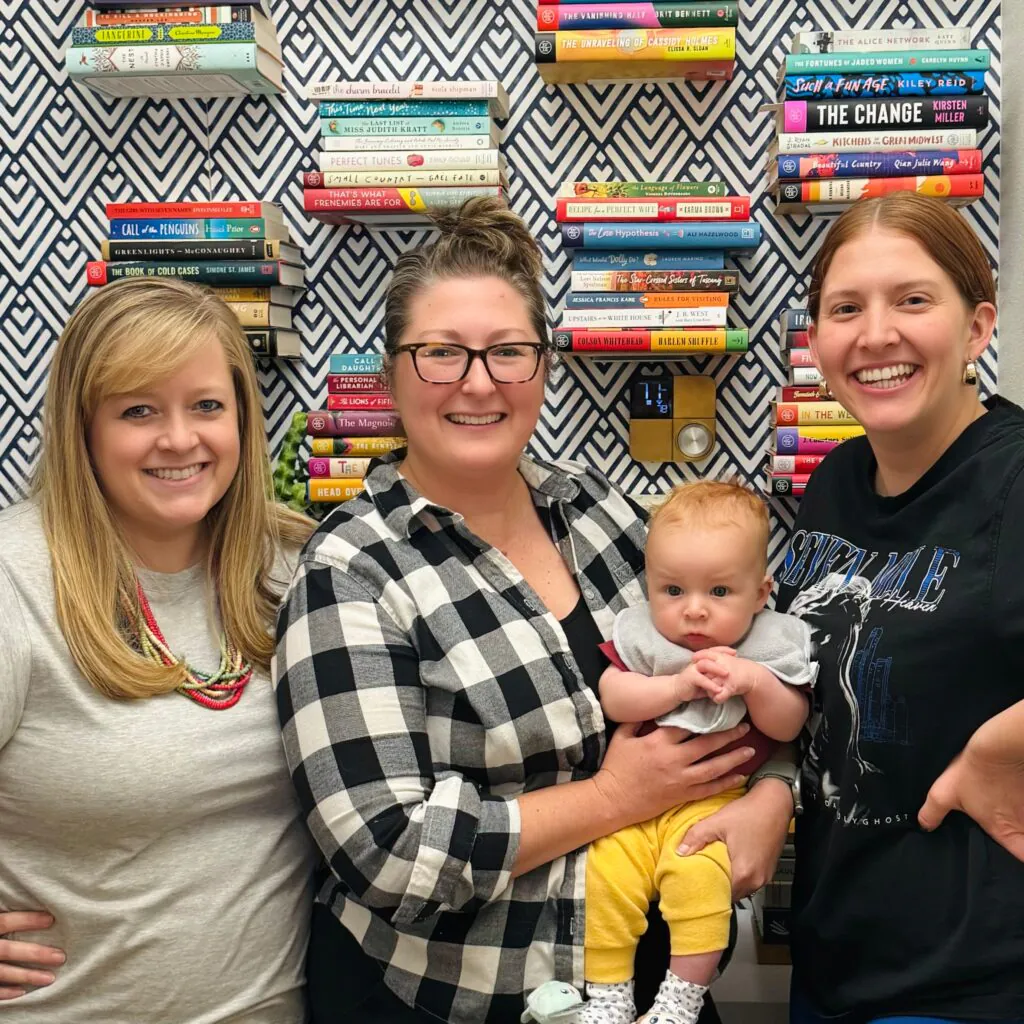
[799, 393]
[797, 339]
[344, 402]
[135, 211]
[795, 464]
[800, 357]
[338, 383]
[353, 424]
[653, 208]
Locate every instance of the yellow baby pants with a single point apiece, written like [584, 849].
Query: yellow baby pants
[628, 868]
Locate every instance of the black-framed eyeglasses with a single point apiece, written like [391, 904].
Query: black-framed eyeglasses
[439, 362]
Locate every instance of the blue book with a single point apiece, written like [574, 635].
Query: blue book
[604, 259]
[631, 235]
[211, 227]
[356, 362]
[901, 83]
[404, 108]
[878, 165]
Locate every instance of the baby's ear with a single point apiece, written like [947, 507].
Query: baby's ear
[765, 591]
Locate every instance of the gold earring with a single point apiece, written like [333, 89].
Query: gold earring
[970, 374]
[824, 391]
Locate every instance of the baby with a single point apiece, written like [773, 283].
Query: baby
[702, 655]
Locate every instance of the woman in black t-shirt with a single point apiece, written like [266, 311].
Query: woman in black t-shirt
[909, 895]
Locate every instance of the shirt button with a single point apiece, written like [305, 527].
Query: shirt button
[588, 594]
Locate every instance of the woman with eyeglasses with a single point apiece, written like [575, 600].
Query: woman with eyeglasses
[437, 671]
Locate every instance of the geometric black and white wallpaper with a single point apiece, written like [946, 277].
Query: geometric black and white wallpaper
[65, 152]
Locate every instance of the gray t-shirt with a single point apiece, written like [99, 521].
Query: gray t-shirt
[164, 837]
[782, 643]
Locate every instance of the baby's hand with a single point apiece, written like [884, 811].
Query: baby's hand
[724, 674]
[690, 683]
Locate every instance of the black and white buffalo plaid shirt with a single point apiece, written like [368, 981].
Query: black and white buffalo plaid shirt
[423, 687]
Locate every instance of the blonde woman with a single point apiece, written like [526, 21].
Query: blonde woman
[145, 801]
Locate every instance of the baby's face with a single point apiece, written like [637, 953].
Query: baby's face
[705, 585]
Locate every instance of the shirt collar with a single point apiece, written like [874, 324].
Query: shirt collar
[405, 510]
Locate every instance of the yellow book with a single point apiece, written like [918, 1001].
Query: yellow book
[789, 414]
[640, 44]
[325, 488]
[839, 432]
[338, 446]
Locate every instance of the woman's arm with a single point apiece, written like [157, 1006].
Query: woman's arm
[407, 843]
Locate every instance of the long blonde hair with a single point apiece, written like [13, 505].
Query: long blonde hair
[124, 337]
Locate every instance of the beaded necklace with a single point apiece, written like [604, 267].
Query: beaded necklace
[217, 690]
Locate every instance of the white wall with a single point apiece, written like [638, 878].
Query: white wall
[1011, 225]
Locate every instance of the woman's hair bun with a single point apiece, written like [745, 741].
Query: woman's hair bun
[486, 227]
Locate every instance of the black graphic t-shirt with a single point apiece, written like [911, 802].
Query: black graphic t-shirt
[917, 605]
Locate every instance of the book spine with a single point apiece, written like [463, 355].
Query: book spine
[347, 383]
[89, 61]
[172, 34]
[795, 445]
[651, 341]
[597, 259]
[338, 468]
[401, 199]
[377, 91]
[879, 142]
[227, 272]
[785, 437]
[646, 300]
[358, 424]
[789, 414]
[887, 40]
[121, 5]
[375, 126]
[735, 208]
[796, 318]
[787, 485]
[616, 44]
[356, 362]
[639, 189]
[214, 14]
[801, 357]
[879, 165]
[330, 490]
[800, 116]
[399, 179]
[588, 15]
[602, 319]
[796, 463]
[842, 190]
[796, 339]
[798, 393]
[413, 159]
[404, 108]
[901, 83]
[251, 314]
[268, 342]
[193, 249]
[804, 375]
[652, 281]
[187, 228]
[348, 402]
[404, 143]
[726, 235]
[355, 446]
[137, 211]
[870, 63]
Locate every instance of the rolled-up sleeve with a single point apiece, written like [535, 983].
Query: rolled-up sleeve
[406, 842]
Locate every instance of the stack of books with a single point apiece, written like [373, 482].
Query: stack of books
[772, 909]
[393, 151]
[580, 41]
[866, 113]
[243, 250]
[648, 274]
[806, 426]
[358, 424]
[124, 48]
